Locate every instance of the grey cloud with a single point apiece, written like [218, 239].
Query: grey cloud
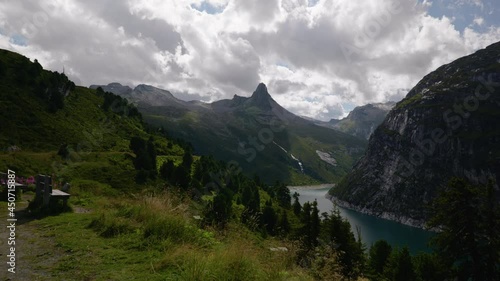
[285, 87]
[319, 46]
[77, 43]
[232, 64]
[186, 96]
[261, 11]
[118, 14]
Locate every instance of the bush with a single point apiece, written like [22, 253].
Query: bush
[110, 227]
[168, 227]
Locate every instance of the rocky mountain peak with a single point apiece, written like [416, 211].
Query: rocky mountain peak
[261, 88]
[261, 97]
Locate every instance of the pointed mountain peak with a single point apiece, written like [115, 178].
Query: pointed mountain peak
[261, 91]
[261, 97]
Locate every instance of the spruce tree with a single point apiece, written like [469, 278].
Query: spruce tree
[284, 224]
[282, 195]
[305, 218]
[167, 170]
[269, 218]
[379, 255]
[219, 211]
[296, 204]
[469, 218]
[315, 223]
[429, 267]
[400, 266]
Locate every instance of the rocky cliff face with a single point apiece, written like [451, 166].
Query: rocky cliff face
[447, 126]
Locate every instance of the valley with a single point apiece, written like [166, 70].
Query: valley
[255, 132]
[155, 187]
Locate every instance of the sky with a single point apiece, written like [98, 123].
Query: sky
[318, 58]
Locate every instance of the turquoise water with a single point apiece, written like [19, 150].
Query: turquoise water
[372, 228]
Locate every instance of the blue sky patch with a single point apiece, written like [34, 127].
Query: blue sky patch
[208, 8]
[18, 39]
[311, 3]
[476, 14]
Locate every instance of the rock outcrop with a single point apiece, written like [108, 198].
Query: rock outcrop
[447, 126]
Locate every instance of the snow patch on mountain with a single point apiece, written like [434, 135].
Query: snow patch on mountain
[325, 156]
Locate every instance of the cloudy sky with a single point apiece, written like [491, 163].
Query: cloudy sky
[319, 58]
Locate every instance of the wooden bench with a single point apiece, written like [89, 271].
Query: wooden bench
[45, 192]
[59, 194]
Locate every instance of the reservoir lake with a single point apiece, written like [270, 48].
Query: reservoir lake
[372, 228]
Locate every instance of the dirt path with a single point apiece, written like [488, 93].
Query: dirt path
[35, 252]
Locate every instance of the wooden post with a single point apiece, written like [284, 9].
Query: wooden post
[47, 190]
[39, 187]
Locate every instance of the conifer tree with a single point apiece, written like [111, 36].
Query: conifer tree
[400, 266]
[167, 170]
[379, 255]
[341, 238]
[219, 211]
[429, 267]
[284, 224]
[315, 224]
[296, 204]
[305, 218]
[282, 195]
[469, 218]
[269, 218]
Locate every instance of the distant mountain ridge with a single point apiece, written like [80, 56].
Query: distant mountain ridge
[254, 131]
[362, 120]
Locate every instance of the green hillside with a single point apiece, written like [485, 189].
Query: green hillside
[29, 121]
[255, 132]
[43, 114]
[115, 228]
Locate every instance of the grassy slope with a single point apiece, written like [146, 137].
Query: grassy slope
[119, 231]
[210, 137]
[27, 123]
[150, 236]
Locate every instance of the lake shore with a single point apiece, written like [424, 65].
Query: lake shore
[384, 215]
[372, 227]
[311, 187]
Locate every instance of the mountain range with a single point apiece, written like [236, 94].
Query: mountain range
[256, 132]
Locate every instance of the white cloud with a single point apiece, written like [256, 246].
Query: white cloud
[315, 56]
[478, 21]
